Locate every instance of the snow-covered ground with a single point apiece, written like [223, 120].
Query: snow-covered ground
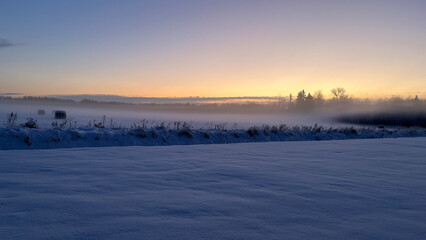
[357, 189]
[135, 128]
[29, 138]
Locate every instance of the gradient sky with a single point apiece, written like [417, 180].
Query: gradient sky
[212, 48]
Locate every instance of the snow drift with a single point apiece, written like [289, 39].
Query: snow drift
[33, 138]
[357, 189]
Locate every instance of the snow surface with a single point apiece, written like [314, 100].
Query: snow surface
[29, 138]
[356, 189]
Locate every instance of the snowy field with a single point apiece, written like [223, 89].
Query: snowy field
[135, 128]
[354, 189]
[30, 138]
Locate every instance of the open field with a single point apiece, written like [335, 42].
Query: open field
[356, 189]
[91, 127]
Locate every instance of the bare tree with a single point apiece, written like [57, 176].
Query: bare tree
[340, 95]
[319, 97]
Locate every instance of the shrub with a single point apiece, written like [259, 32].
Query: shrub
[283, 128]
[220, 127]
[161, 126]
[185, 132]
[30, 123]
[56, 125]
[317, 129]
[140, 133]
[11, 119]
[253, 131]
[100, 124]
[274, 129]
[141, 125]
[265, 128]
[349, 130]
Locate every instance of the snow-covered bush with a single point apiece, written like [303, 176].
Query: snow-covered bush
[185, 130]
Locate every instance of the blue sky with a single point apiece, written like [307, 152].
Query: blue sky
[212, 48]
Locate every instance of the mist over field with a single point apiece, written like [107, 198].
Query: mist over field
[42, 122]
[302, 109]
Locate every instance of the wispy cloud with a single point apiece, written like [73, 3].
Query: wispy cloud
[5, 43]
[10, 94]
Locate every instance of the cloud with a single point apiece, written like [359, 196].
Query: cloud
[10, 94]
[4, 43]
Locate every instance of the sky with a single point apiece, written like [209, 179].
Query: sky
[212, 48]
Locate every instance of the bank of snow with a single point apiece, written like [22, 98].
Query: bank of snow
[357, 189]
[27, 138]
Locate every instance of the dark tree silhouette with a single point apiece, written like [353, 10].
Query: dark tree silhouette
[309, 100]
[301, 97]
